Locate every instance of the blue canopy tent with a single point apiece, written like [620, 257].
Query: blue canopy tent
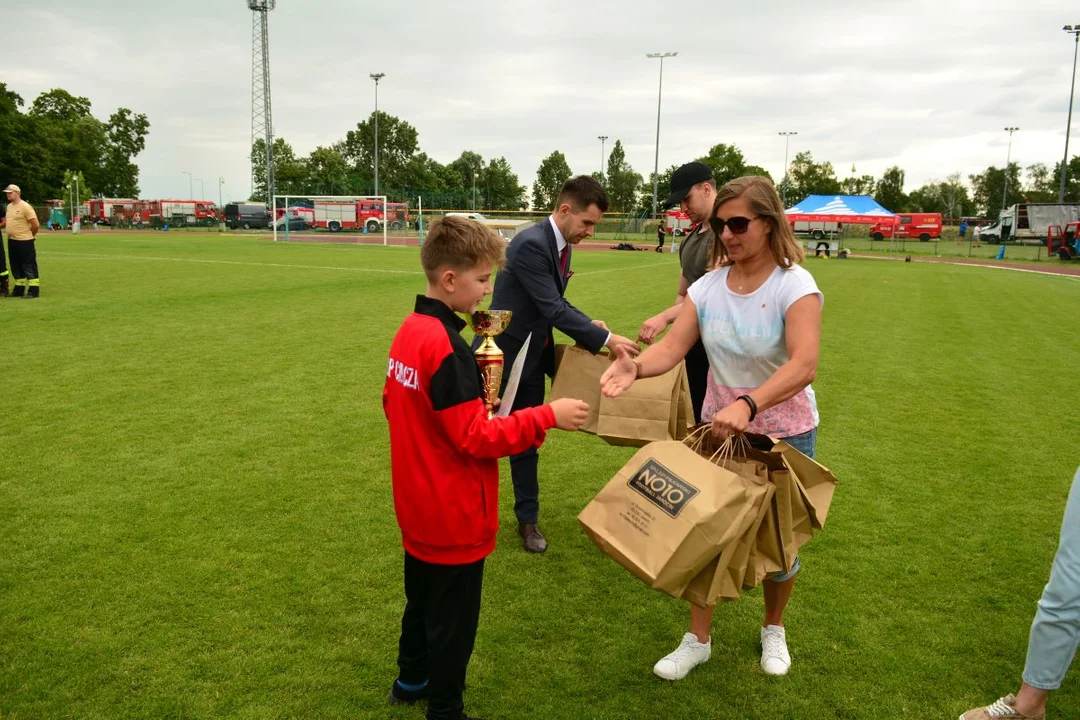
[861, 209]
[840, 209]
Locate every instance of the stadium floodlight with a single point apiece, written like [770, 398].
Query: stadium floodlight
[377, 77]
[1073, 30]
[659, 96]
[602, 139]
[262, 125]
[786, 134]
[1008, 161]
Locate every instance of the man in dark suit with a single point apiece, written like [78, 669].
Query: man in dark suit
[532, 286]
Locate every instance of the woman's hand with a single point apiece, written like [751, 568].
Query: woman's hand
[620, 376]
[732, 420]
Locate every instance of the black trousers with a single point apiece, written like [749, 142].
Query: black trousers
[438, 629]
[524, 468]
[697, 372]
[23, 258]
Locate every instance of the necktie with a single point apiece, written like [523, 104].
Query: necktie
[564, 259]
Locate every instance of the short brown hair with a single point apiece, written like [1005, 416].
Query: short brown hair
[461, 244]
[582, 191]
[761, 196]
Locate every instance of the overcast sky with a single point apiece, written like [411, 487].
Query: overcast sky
[926, 84]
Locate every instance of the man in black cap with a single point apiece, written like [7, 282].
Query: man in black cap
[693, 189]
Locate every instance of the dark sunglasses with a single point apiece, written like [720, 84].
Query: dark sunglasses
[737, 225]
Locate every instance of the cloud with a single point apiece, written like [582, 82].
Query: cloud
[926, 85]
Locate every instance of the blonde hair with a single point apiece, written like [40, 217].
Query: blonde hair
[460, 243]
[761, 197]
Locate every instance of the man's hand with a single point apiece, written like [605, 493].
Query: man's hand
[570, 414]
[652, 327]
[618, 342]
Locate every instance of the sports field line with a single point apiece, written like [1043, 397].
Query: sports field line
[153, 258]
[92, 256]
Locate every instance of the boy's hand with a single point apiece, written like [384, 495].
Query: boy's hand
[570, 414]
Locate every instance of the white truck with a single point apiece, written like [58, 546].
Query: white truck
[1028, 222]
[817, 229]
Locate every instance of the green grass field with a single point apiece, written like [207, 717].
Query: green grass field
[196, 519]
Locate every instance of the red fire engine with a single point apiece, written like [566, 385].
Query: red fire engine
[186, 212]
[677, 223]
[924, 226]
[102, 210]
[337, 215]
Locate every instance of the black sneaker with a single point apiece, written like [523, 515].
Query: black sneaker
[401, 696]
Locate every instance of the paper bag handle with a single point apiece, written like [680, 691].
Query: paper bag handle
[728, 448]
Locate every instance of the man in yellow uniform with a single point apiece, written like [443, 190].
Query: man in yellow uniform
[22, 229]
[4, 274]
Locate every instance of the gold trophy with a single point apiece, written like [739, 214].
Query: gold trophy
[488, 324]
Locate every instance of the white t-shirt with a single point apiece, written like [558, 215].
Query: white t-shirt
[745, 340]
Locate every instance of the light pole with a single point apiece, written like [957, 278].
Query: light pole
[1073, 30]
[602, 139]
[786, 134]
[659, 96]
[221, 208]
[475, 169]
[191, 190]
[377, 77]
[1008, 160]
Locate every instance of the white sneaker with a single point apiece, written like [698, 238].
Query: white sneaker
[686, 657]
[775, 659]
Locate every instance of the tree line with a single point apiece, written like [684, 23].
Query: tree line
[470, 181]
[57, 139]
[45, 147]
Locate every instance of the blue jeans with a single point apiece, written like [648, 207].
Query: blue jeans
[806, 443]
[1056, 630]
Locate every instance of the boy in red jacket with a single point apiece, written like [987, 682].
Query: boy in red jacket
[444, 454]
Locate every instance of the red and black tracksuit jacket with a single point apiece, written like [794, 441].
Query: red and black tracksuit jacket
[443, 448]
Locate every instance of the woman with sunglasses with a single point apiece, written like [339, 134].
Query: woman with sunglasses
[759, 317]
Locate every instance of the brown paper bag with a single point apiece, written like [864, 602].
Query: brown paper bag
[795, 509]
[669, 512]
[651, 410]
[577, 375]
[724, 577]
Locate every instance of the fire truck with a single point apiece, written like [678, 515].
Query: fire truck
[677, 223]
[335, 215]
[103, 210]
[177, 212]
[924, 226]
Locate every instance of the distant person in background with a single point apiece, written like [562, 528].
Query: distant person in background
[976, 233]
[22, 229]
[963, 231]
[1055, 632]
[5, 275]
[660, 236]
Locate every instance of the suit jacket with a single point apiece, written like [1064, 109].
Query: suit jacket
[532, 287]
